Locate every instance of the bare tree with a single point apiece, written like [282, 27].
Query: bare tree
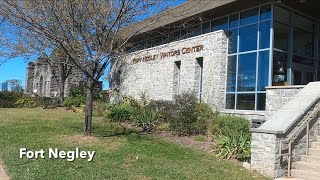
[61, 69]
[89, 32]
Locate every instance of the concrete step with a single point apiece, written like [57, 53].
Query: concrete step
[307, 175]
[306, 166]
[314, 152]
[311, 159]
[315, 145]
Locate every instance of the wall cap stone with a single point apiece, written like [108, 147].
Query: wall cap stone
[245, 112]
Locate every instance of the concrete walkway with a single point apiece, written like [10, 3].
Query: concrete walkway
[3, 174]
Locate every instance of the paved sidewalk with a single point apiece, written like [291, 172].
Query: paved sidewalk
[3, 175]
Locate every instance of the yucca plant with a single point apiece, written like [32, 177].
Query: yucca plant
[146, 118]
[233, 144]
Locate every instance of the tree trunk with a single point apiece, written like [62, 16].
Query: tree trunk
[88, 118]
[61, 91]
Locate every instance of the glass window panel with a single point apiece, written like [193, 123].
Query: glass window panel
[248, 38]
[261, 101]
[309, 77]
[247, 72]
[183, 34]
[246, 101]
[265, 12]
[303, 61]
[174, 36]
[165, 39]
[230, 101]
[281, 15]
[303, 42]
[219, 24]
[263, 70]
[233, 41]
[281, 35]
[231, 73]
[264, 35]
[279, 68]
[234, 21]
[206, 27]
[303, 22]
[249, 17]
[194, 31]
[297, 77]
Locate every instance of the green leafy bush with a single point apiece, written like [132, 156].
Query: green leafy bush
[233, 144]
[119, 112]
[189, 116]
[164, 109]
[223, 123]
[9, 99]
[28, 102]
[74, 101]
[76, 97]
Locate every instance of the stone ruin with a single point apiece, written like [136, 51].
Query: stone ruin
[42, 81]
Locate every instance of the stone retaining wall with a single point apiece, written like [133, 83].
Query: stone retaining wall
[277, 96]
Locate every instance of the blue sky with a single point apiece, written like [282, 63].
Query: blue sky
[16, 68]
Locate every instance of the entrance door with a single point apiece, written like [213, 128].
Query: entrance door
[302, 74]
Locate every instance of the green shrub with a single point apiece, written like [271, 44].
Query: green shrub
[145, 119]
[9, 99]
[74, 101]
[233, 144]
[223, 123]
[189, 116]
[27, 102]
[165, 109]
[206, 116]
[119, 112]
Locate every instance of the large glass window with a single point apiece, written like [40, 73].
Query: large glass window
[265, 12]
[294, 61]
[234, 21]
[219, 24]
[263, 70]
[247, 72]
[281, 36]
[232, 73]
[233, 41]
[248, 38]
[249, 17]
[264, 35]
[249, 59]
[246, 102]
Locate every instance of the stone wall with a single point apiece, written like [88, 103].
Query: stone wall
[154, 71]
[277, 96]
[270, 142]
[43, 79]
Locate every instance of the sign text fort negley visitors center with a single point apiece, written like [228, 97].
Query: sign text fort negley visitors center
[255, 58]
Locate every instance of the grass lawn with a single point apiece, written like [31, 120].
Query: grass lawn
[119, 155]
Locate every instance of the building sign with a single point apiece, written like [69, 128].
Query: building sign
[172, 53]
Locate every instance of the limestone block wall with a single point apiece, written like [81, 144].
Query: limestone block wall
[154, 71]
[277, 96]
